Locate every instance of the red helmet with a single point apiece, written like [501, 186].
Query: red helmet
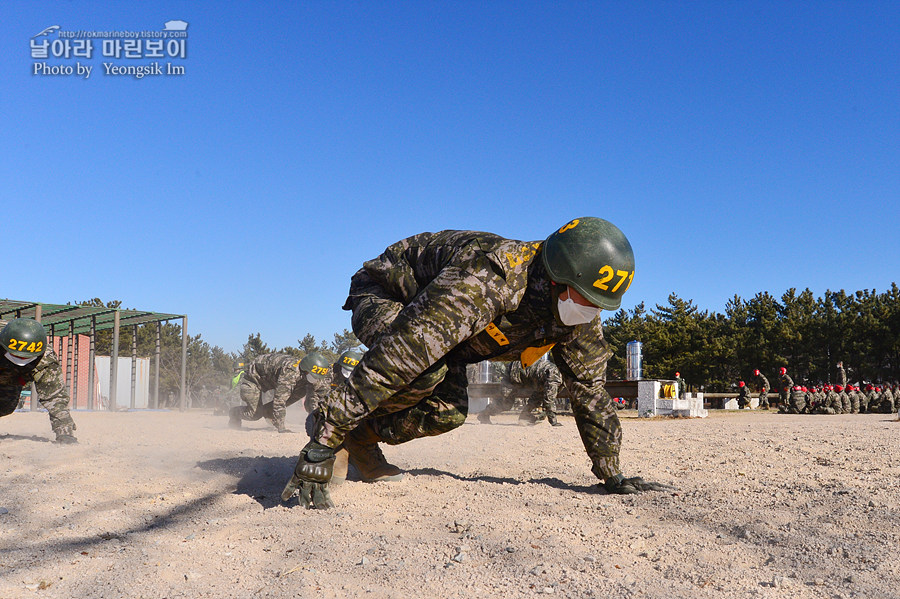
[796, 387]
[838, 388]
[756, 372]
[677, 374]
[783, 370]
[741, 384]
[804, 389]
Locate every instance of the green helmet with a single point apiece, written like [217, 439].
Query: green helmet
[315, 364]
[238, 365]
[593, 256]
[24, 338]
[350, 358]
[348, 361]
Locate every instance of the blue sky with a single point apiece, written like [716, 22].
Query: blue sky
[741, 147]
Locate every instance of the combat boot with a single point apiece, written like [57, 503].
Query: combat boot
[234, 417]
[553, 421]
[365, 455]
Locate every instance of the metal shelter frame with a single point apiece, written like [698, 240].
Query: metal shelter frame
[90, 319]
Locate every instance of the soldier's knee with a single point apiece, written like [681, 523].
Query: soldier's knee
[454, 420]
[431, 378]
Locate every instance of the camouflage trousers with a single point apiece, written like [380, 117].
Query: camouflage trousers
[254, 409]
[763, 399]
[60, 419]
[797, 405]
[434, 403]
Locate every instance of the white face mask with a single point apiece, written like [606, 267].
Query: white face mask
[309, 377]
[571, 313]
[20, 361]
[346, 372]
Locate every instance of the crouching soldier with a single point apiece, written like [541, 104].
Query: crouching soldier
[743, 396]
[433, 303]
[291, 379]
[27, 359]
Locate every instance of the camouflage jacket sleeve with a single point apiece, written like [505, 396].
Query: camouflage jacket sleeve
[452, 286]
[582, 364]
[52, 392]
[319, 392]
[549, 376]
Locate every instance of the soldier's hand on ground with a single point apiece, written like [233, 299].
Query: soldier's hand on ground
[619, 485]
[311, 475]
[66, 439]
[315, 496]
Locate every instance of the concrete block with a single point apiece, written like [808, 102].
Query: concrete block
[648, 398]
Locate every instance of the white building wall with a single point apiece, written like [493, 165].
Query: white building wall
[123, 382]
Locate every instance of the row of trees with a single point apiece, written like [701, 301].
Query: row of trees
[712, 351]
[209, 368]
[806, 334]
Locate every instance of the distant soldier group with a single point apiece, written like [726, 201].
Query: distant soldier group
[308, 379]
[839, 398]
[823, 398]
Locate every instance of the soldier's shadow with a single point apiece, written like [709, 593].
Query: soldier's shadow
[550, 482]
[34, 438]
[260, 477]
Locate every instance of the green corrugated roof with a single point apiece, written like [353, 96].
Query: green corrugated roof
[80, 316]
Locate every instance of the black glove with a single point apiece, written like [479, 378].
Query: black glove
[66, 439]
[311, 475]
[619, 485]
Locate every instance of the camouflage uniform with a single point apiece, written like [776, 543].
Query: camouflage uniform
[787, 384]
[831, 404]
[797, 403]
[46, 374]
[763, 391]
[540, 381]
[887, 400]
[854, 395]
[845, 401]
[435, 302]
[812, 400]
[865, 398]
[281, 373]
[743, 398]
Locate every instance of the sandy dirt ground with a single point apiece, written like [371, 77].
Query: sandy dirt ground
[171, 504]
